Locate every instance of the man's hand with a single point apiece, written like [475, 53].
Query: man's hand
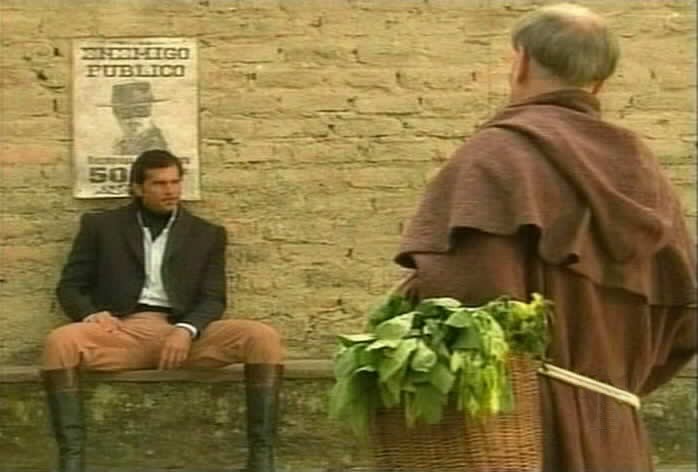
[105, 320]
[175, 349]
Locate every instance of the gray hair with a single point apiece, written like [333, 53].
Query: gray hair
[569, 41]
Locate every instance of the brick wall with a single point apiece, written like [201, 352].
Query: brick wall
[320, 122]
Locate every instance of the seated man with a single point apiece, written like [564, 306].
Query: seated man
[146, 286]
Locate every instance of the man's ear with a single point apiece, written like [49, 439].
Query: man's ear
[137, 190]
[596, 88]
[522, 65]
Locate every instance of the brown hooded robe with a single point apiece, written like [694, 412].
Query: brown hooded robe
[549, 198]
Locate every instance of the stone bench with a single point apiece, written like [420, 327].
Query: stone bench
[174, 420]
[294, 369]
[192, 420]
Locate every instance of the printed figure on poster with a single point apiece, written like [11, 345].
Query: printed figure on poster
[129, 96]
[132, 105]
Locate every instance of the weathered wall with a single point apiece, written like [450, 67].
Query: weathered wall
[320, 121]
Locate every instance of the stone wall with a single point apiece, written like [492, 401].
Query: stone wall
[191, 426]
[320, 122]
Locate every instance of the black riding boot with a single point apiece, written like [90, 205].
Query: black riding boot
[262, 383]
[65, 411]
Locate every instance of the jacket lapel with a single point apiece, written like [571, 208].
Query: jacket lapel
[134, 234]
[178, 234]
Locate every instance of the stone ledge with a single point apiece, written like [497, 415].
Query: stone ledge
[140, 422]
[662, 468]
[294, 369]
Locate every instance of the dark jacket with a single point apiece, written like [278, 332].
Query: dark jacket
[105, 269]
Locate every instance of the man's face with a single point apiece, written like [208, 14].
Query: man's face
[133, 119]
[161, 190]
[133, 125]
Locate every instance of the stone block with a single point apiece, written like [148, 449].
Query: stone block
[443, 78]
[246, 103]
[304, 6]
[221, 128]
[390, 5]
[243, 5]
[358, 78]
[289, 78]
[83, 22]
[18, 23]
[286, 128]
[378, 126]
[306, 102]
[388, 104]
[222, 77]
[251, 53]
[318, 54]
[440, 128]
[132, 22]
[26, 128]
[455, 104]
[34, 153]
[390, 53]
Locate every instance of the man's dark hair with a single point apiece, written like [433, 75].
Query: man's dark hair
[153, 159]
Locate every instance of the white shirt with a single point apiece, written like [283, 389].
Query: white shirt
[153, 292]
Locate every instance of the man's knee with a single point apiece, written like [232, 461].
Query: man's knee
[62, 347]
[268, 345]
[263, 343]
[247, 341]
[265, 334]
[62, 336]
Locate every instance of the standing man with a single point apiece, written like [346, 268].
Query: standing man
[145, 286]
[547, 197]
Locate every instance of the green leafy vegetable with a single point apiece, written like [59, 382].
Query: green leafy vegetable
[420, 357]
[395, 328]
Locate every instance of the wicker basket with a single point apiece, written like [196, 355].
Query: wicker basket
[509, 442]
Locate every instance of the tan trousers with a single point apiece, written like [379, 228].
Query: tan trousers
[137, 344]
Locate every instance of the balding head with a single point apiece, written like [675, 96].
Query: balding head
[570, 42]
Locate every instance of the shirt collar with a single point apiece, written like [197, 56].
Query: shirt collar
[169, 224]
